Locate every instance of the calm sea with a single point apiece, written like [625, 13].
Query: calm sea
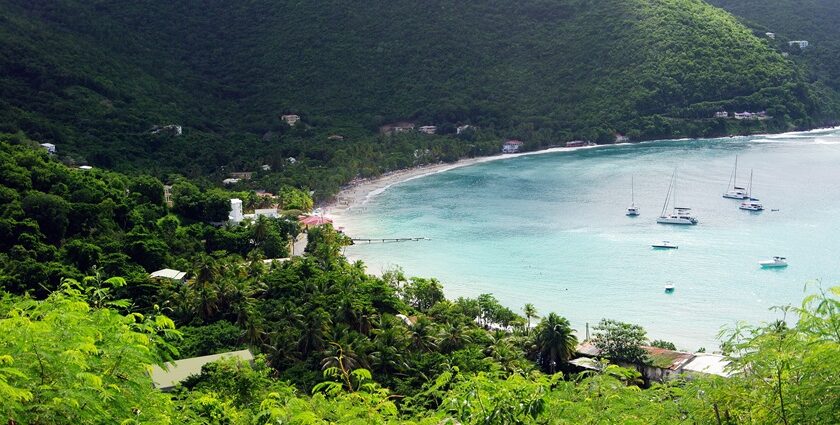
[550, 230]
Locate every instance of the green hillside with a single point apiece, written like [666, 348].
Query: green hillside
[811, 20]
[95, 77]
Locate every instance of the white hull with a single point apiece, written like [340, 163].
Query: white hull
[733, 195]
[677, 220]
[770, 264]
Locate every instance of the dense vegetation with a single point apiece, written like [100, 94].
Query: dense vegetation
[335, 344]
[812, 20]
[95, 77]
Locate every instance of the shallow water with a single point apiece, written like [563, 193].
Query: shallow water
[550, 229]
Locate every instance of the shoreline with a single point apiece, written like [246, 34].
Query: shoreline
[359, 191]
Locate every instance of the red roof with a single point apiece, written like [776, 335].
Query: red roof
[313, 220]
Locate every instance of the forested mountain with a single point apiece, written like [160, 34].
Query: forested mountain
[814, 21]
[95, 77]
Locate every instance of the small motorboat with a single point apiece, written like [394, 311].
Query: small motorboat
[664, 245]
[776, 262]
[669, 288]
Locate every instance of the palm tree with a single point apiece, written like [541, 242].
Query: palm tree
[555, 341]
[530, 312]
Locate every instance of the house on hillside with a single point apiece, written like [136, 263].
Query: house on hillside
[49, 147]
[290, 119]
[170, 274]
[770, 35]
[428, 129]
[663, 365]
[230, 181]
[165, 379]
[173, 129]
[799, 43]
[397, 127]
[721, 114]
[462, 128]
[242, 175]
[335, 137]
[235, 215]
[512, 146]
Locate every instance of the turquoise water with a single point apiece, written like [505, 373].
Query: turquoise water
[550, 229]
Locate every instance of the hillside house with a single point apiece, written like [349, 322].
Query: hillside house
[722, 114]
[335, 137]
[230, 181]
[512, 146]
[798, 43]
[428, 129]
[397, 127]
[173, 129]
[171, 274]
[290, 119]
[462, 128]
[242, 175]
[49, 147]
[664, 364]
[165, 379]
[770, 35]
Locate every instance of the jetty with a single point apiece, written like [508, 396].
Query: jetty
[387, 240]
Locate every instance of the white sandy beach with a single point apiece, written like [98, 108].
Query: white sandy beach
[360, 191]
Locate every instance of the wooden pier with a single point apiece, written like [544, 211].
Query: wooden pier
[388, 240]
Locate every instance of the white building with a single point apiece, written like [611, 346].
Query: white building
[290, 119]
[770, 35]
[266, 212]
[230, 181]
[49, 147]
[800, 43]
[85, 167]
[512, 146]
[175, 275]
[462, 128]
[235, 216]
[428, 129]
[722, 114]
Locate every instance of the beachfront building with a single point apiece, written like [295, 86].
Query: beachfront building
[579, 143]
[512, 146]
[165, 379]
[49, 147]
[171, 274]
[798, 43]
[290, 119]
[620, 138]
[721, 114]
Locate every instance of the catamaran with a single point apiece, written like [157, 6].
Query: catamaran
[751, 204]
[679, 215]
[633, 210]
[735, 192]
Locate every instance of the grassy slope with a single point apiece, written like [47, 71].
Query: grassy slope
[99, 74]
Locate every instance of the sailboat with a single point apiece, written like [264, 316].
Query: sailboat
[633, 210]
[736, 192]
[751, 204]
[678, 215]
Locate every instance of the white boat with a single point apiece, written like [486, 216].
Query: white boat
[669, 287]
[633, 210]
[751, 204]
[679, 215]
[775, 262]
[664, 245]
[733, 191]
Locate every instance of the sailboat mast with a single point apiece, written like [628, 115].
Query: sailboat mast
[735, 173]
[749, 190]
[632, 192]
[668, 196]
